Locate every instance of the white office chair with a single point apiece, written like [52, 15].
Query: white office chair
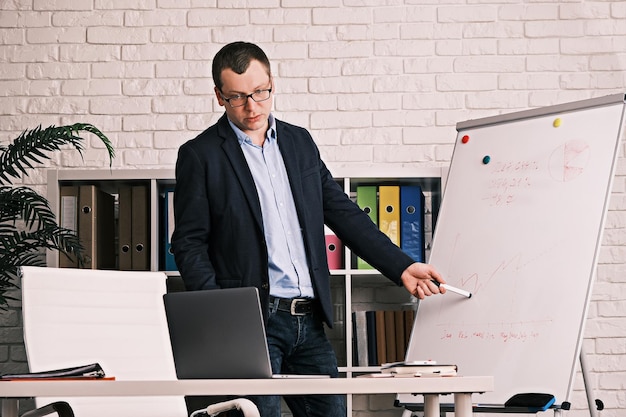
[115, 318]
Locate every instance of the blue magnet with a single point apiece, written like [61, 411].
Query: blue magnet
[486, 159]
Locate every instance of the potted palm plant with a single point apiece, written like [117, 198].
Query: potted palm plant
[27, 224]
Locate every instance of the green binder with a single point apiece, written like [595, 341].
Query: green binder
[366, 199]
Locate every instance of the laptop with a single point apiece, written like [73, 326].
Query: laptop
[219, 334]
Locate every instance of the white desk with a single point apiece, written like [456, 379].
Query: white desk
[431, 388]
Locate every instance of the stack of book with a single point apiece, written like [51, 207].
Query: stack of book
[418, 368]
[381, 336]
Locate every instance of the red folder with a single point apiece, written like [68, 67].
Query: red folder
[334, 251]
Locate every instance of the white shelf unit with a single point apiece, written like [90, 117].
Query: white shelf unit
[353, 288]
[357, 289]
[110, 180]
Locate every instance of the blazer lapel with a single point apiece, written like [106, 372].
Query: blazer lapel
[233, 152]
[290, 158]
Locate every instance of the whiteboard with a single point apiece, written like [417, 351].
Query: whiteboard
[520, 227]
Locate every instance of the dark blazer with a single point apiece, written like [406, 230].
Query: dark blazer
[218, 241]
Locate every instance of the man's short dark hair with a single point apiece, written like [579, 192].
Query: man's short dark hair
[237, 57]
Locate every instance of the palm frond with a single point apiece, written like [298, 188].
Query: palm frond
[31, 145]
[26, 205]
[17, 244]
[9, 271]
[28, 226]
[19, 248]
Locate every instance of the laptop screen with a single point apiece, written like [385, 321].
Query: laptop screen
[217, 334]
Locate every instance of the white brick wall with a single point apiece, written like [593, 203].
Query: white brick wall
[374, 81]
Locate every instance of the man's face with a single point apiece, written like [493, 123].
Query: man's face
[252, 117]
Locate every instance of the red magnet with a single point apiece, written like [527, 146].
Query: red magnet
[465, 139]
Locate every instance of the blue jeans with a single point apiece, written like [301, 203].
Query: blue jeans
[298, 345]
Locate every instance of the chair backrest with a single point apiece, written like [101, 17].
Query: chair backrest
[115, 318]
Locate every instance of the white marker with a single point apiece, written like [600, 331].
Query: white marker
[453, 289]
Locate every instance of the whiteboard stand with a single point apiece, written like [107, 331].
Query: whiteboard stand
[520, 227]
[594, 404]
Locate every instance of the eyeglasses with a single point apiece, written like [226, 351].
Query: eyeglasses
[241, 99]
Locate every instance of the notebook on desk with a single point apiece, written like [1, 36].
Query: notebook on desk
[219, 334]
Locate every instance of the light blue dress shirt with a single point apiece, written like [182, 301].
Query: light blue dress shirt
[288, 270]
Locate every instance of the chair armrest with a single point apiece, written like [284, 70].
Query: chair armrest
[62, 408]
[246, 406]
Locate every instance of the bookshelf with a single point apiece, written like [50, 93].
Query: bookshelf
[110, 181]
[357, 289]
[353, 289]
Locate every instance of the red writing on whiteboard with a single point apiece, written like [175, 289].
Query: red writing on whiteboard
[509, 178]
[505, 184]
[515, 166]
[500, 199]
[503, 336]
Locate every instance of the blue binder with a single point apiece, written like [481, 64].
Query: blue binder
[168, 227]
[412, 239]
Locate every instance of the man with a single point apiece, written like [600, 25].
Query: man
[251, 200]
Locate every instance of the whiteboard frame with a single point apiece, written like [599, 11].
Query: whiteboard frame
[542, 112]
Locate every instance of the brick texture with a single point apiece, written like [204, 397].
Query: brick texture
[375, 82]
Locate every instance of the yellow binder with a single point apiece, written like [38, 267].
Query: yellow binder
[389, 211]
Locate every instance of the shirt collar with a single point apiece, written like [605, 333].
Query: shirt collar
[243, 138]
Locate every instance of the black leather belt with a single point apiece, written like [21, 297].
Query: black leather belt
[295, 306]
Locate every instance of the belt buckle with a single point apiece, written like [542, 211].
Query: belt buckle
[292, 308]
